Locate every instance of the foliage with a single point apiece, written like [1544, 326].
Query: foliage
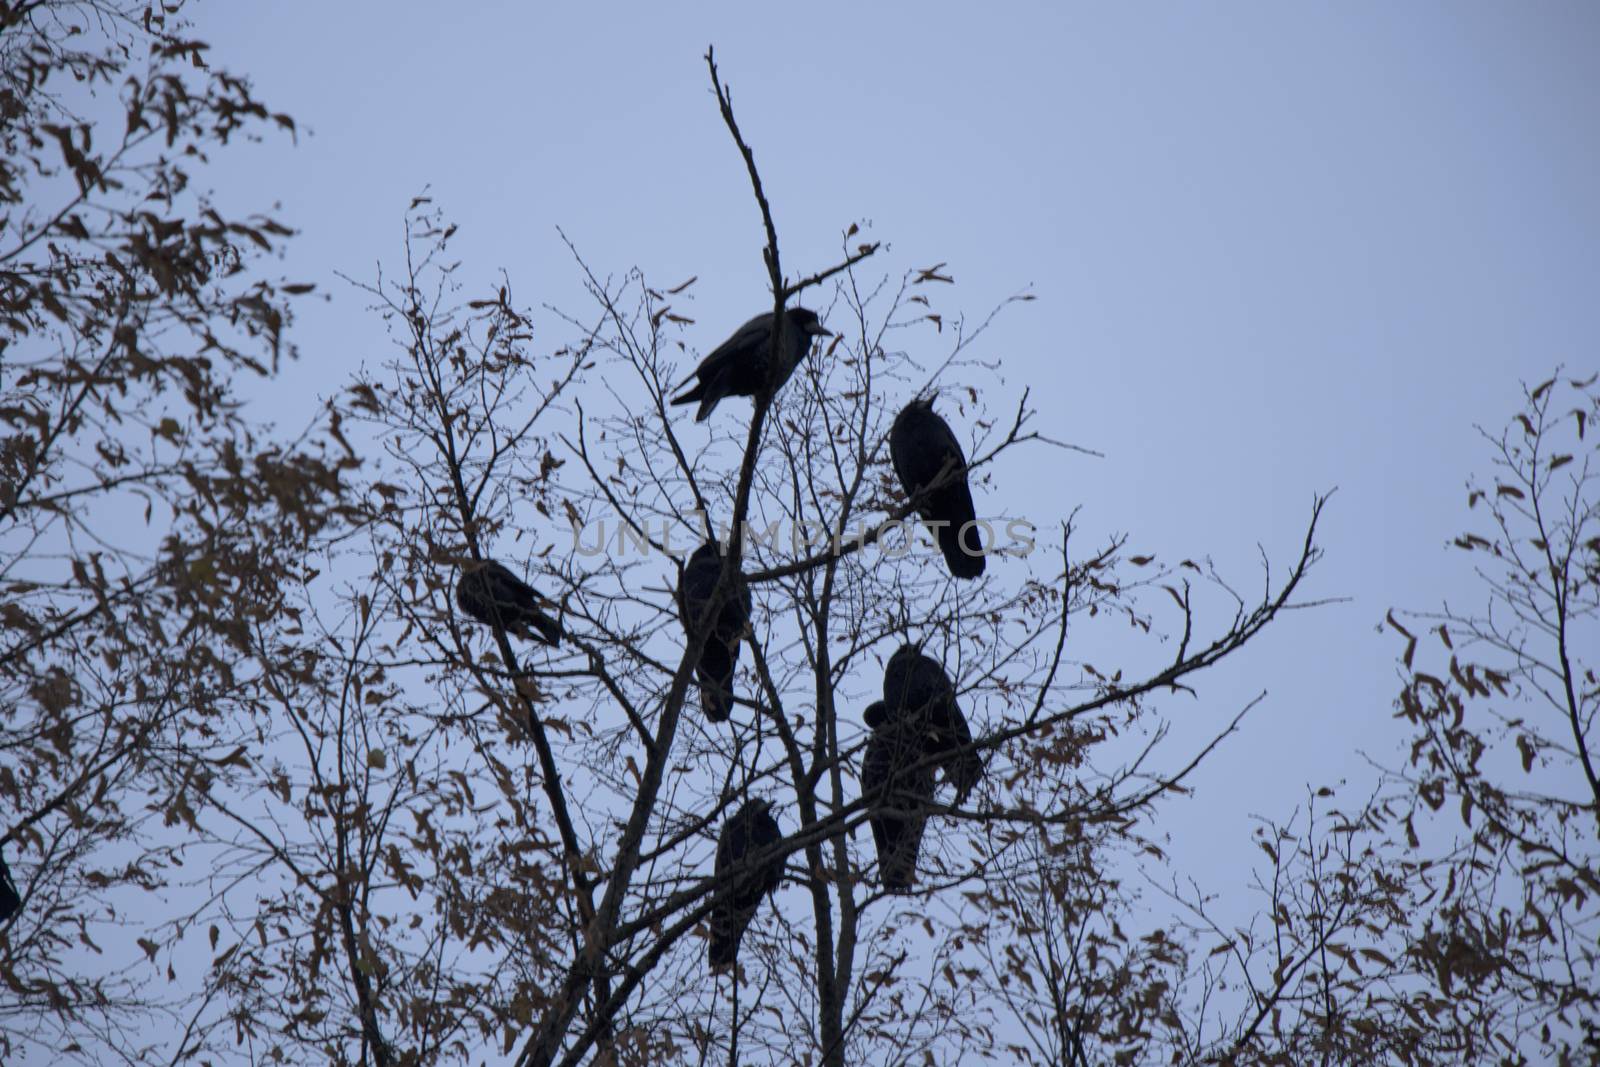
[146, 526]
[1504, 737]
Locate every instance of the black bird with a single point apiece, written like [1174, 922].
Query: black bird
[897, 792]
[916, 686]
[488, 589]
[925, 452]
[741, 365]
[10, 899]
[751, 829]
[720, 654]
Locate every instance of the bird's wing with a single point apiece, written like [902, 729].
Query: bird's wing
[898, 444]
[958, 723]
[695, 586]
[752, 332]
[921, 446]
[941, 446]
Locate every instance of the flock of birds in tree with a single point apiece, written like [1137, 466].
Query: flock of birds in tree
[917, 728]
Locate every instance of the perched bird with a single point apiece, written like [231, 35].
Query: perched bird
[933, 472]
[751, 829]
[741, 365]
[720, 654]
[897, 792]
[10, 899]
[487, 590]
[915, 685]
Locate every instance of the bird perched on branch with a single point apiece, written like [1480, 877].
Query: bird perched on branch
[933, 472]
[916, 686]
[742, 365]
[898, 793]
[915, 724]
[751, 829]
[488, 590]
[720, 655]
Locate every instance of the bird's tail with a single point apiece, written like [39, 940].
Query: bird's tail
[898, 871]
[724, 947]
[691, 396]
[964, 771]
[549, 630]
[708, 404]
[897, 855]
[962, 545]
[716, 680]
[716, 702]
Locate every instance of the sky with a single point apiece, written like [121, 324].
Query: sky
[1275, 249]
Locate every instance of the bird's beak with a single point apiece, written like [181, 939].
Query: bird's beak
[816, 329]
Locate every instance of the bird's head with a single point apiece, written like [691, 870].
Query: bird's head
[710, 550]
[876, 716]
[755, 808]
[906, 654]
[485, 567]
[916, 406]
[806, 321]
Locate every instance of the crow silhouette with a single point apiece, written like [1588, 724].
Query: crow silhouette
[933, 472]
[750, 829]
[915, 686]
[720, 654]
[742, 365]
[897, 793]
[488, 590]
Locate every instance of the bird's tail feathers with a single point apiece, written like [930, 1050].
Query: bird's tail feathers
[898, 870]
[898, 846]
[548, 631]
[717, 703]
[964, 771]
[962, 546]
[723, 950]
[716, 682]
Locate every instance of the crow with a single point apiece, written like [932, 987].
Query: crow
[751, 829]
[933, 472]
[720, 654]
[916, 686]
[488, 590]
[897, 793]
[10, 899]
[741, 365]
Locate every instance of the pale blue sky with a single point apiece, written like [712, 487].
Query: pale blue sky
[1276, 247]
